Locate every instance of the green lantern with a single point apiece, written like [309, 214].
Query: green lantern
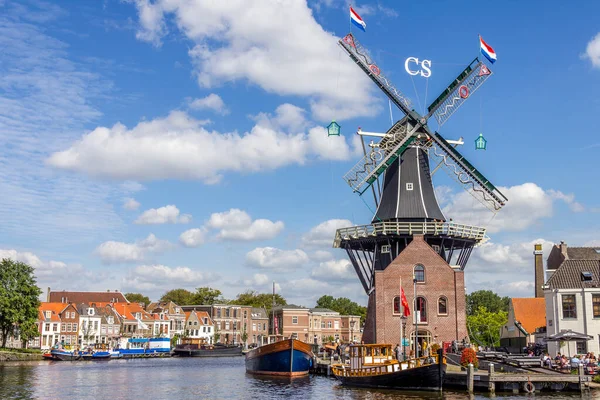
[333, 129]
[480, 142]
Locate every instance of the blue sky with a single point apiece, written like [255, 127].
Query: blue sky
[159, 144]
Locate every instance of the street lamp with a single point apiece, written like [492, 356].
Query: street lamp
[403, 318]
[351, 331]
[234, 326]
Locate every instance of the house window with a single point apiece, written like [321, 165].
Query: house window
[74, 327]
[329, 324]
[568, 306]
[386, 248]
[48, 314]
[63, 327]
[596, 305]
[322, 324]
[443, 306]
[253, 327]
[397, 305]
[227, 325]
[227, 312]
[421, 307]
[419, 273]
[54, 327]
[294, 320]
[409, 186]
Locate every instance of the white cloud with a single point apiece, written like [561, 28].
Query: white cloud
[256, 281]
[161, 277]
[255, 41]
[193, 237]
[334, 270]
[321, 255]
[236, 224]
[179, 147]
[211, 102]
[498, 258]
[527, 205]
[276, 260]
[569, 199]
[130, 204]
[163, 215]
[55, 273]
[306, 291]
[592, 51]
[324, 233]
[119, 252]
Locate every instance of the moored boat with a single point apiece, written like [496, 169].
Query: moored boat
[193, 347]
[374, 365]
[64, 355]
[289, 357]
[95, 356]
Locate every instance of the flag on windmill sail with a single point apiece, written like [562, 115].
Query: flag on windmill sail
[487, 50]
[404, 302]
[357, 20]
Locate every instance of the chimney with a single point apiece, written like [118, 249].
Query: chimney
[539, 269]
[563, 249]
[48, 295]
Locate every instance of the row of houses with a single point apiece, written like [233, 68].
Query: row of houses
[567, 297]
[88, 318]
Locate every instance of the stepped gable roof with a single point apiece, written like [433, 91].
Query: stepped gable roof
[86, 297]
[568, 276]
[583, 253]
[530, 312]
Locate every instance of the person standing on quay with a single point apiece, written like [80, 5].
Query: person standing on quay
[398, 351]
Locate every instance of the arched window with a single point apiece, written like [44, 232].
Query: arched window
[397, 305]
[421, 308]
[443, 306]
[419, 273]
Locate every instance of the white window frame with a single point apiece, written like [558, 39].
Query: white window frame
[295, 320]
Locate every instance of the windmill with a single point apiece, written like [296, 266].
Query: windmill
[399, 165]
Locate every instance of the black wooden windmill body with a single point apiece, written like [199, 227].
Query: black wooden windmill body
[399, 166]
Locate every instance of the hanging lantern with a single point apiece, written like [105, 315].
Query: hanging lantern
[333, 129]
[480, 142]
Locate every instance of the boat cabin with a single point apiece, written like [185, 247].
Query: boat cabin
[380, 358]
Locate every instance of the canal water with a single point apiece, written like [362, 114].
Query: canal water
[191, 378]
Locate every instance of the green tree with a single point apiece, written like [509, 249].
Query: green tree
[206, 295]
[343, 305]
[488, 299]
[137, 298]
[178, 296]
[255, 299]
[19, 297]
[484, 326]
[28, 331]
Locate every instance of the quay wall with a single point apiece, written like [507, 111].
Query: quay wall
[7, 356]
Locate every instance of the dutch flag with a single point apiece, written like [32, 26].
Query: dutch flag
[357, 20]
[487, 50]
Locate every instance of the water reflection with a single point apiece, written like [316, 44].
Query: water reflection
[196, 378]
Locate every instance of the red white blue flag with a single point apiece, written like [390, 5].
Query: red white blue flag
[487, 51]
[357, 20]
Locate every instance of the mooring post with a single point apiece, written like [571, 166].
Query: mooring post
[491, 383]
[470, 373]
[581, 372]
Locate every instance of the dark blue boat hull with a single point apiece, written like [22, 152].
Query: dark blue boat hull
[280, 359]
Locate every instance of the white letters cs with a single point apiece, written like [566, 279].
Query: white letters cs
[425, 70]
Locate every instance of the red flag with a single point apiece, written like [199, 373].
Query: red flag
[405, 303]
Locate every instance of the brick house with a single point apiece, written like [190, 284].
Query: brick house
[290, 321]
[324, 325]
[175, 315]
[350, 329]
[439, 307]
[259, 333]
[231, 321]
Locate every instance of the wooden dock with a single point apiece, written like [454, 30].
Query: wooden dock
[528, 382]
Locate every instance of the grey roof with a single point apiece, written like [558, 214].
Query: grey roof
[583, 253]
[259, 312]
[568, 275]
[323, 310]
[290, 307]
[399, 203]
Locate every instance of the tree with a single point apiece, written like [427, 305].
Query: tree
[28, 331]
[137, 298]
[484, 326]
[178, 296]
[206, 295]
[255, 299]
[488, 299]
[19, 297]
[343, 305]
